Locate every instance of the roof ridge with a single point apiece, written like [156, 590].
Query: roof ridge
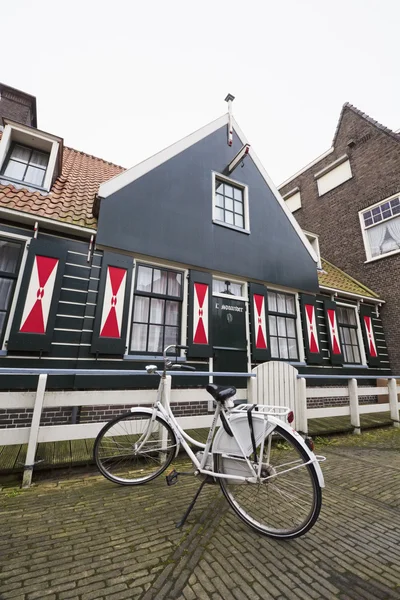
[364, 115]
[364, 287]
[107, 162]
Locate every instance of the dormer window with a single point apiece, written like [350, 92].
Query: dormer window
[26, 164]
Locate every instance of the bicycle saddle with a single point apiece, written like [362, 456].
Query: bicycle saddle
[220, 392]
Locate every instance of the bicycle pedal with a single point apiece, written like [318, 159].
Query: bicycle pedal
[172, 477]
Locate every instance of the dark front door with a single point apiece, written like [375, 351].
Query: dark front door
[229, 339]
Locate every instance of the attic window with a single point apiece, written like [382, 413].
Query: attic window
[333, 175]
[230, 203]
[26, 164]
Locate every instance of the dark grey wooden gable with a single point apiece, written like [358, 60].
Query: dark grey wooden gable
[167, 213]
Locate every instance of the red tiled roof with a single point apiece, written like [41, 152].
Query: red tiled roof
[72, 194]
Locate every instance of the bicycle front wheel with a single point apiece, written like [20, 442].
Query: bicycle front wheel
[287, 503]
[134, 448]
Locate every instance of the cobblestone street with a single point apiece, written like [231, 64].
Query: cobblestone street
[82, 538]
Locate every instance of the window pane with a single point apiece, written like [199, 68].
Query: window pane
[237, 194]
[346, 360]
[228, 204]
[155, 338]
[274, 347]
[15, 170]
[21, 153]
[345, 335]
[171, 336]
[34, 176]
[174, 283]
[367, 216]
[236, 289]
[272, 325]
[239, 207]
[229, 217]
[9, 254]
[39, 159]
[139, 337]
[396, 210]
[350, 355]
[6, 286]
[2, 320]
[219, 200]
[292, 349]
[141, 309]
[218, 286]
[219, 214]
[219, 188]
[351, 316]
[228, 191]
[290, 328]
[272, 301]
[290, 305]
[239, 221]
[357, 358]
[353, 336]
[281, 326]
[368, 221]
[144, 279]
[159, 281]
[157, 310]
[376, 236]
[283, 348]
[281, 298]
[172, 313]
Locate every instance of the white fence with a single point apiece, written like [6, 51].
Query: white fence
[270, 383]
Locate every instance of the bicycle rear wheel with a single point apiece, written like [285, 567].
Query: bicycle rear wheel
[134, 448]
[288, 503]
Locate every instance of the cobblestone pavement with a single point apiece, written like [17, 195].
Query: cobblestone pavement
[83, 538]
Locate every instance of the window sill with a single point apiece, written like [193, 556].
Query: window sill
[239, 229]
[387, 255]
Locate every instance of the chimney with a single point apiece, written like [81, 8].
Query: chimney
[17, 106]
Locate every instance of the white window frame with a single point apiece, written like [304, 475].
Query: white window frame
[359, 337]
[367, 248]
[232, 280]
[24, 239]
[328, 169]
[299, 328]
[245, 190]
[27, 136]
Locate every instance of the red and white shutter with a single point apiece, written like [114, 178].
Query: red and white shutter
[335, 346]
[260, 351]
[367, 315]
[37, 303]
[111, 319]
[199, 315]
[311, 329]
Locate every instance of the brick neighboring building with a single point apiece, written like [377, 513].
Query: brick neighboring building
[350, 198]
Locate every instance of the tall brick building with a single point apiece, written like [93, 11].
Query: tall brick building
[350, 198]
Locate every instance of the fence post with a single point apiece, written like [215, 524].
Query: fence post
[301, 417]
[354, 408]
[165, 400]
[393, 401]
[34, 432]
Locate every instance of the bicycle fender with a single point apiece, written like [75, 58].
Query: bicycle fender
[149, 411]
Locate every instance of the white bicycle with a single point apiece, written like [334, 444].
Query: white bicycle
[268, 473]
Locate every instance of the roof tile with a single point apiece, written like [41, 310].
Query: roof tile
[334, 278]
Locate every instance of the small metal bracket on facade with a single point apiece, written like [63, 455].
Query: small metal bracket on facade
[90, 250]
[35, 229]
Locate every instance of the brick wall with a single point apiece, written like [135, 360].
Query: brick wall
[15, 107]
[375, 165]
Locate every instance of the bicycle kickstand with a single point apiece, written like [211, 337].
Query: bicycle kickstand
[193, 502]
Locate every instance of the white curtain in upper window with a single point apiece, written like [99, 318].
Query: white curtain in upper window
[394, 229]
[376, 235]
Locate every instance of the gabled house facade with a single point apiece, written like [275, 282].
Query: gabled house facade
[103, 267]
[350, 197]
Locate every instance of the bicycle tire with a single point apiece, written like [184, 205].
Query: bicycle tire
[118, 460]
[270, 507]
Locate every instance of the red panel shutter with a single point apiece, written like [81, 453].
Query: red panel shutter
[111, 320]
[36, 308]
[199, 315]
[367, 314]
[335, 345]
[311, 329]
[260, 346]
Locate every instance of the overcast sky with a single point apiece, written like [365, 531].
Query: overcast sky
[123, 79]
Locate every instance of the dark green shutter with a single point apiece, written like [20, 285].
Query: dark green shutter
[33, 324]
[312, 341]
[111, 319]
[260, 342]
[367, 314]
[335, 344]
[199, 315]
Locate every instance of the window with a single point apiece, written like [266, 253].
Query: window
[282, 326]
[156, 309]
[381, 225]
[26, 164]
[10, 258]
[230, 204]
[293, 200]
[333, 175]
[221, 286]
[347, 323]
